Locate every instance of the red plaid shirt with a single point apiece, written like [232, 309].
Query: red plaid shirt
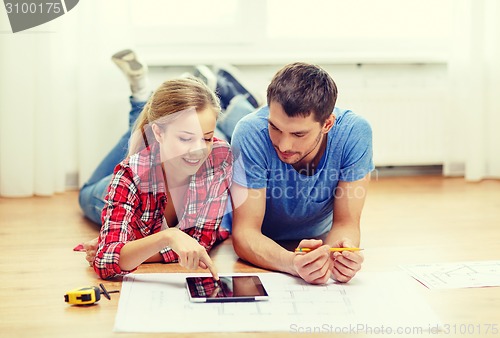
[136, 199]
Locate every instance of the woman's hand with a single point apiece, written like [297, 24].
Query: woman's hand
[90, 248]
[191, 254]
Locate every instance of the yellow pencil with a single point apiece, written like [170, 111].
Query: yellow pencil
[331, 249]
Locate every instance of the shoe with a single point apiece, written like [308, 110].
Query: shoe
[135, 71]
[127, 61]
[204, 73]
[229, 85]
[186, 75]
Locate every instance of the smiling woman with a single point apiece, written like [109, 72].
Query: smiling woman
[158, 196]
[165, 201]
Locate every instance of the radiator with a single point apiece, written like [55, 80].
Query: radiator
[407, 124]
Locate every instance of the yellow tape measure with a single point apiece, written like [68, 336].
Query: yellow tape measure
[87, 295]
[83, 296]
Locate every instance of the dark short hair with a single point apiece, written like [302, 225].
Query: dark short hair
[303, 89]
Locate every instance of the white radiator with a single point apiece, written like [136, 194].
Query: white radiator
[406, 106]
[407, 126]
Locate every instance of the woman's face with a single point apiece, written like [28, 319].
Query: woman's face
[186, 142]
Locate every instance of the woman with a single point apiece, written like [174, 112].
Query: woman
[166, 199]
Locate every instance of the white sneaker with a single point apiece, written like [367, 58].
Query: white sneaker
[127, 61]
[204, 73]
[186, 75]
[135, 71]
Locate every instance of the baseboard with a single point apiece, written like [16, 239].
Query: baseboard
[408, 170]
[72, 181]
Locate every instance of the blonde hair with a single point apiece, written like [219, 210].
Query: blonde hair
[171, 97]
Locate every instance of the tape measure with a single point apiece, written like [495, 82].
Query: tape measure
[83, 296]
[87, 295]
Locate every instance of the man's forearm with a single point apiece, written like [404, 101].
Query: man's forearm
[262, 251]
[342, 232]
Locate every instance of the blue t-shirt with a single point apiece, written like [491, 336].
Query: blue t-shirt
[300, 206]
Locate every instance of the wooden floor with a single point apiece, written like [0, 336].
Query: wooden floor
[406, 220]
[416, 213]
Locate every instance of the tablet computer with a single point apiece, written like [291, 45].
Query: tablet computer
[227, 289]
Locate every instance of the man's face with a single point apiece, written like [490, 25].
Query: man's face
[295, 139]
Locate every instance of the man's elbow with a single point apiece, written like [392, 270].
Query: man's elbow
[242, 243]
[238, 243]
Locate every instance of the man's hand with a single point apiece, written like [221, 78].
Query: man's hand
[314, 266]
[344, 265]
[90, 248]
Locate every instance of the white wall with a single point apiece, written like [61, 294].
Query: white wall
[403, 60]
[393, 62]
[390, 68]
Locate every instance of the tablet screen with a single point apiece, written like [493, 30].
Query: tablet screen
[228, 288]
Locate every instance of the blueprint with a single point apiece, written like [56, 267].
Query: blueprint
[159, 303]
[456, 275]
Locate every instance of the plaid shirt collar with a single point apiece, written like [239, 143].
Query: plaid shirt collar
[150, 178]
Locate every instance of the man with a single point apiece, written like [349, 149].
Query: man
[302, 176]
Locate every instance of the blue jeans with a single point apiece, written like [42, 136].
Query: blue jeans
[91, 197]
[238, 107]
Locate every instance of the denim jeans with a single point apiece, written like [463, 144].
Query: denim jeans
[238, 107]
[91, 197]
